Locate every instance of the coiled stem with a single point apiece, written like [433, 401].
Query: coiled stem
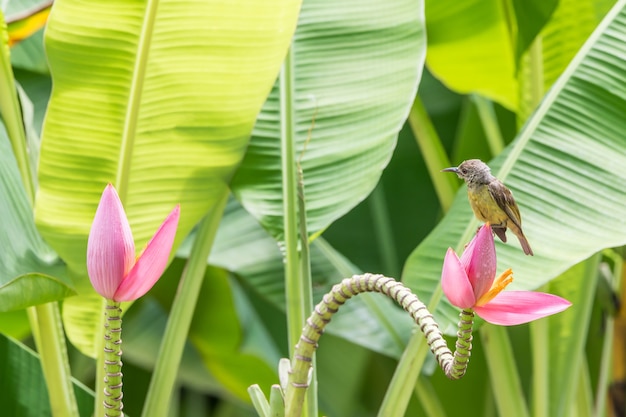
[453, 365]
[113, 405]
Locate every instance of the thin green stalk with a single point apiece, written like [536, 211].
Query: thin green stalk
[604, 375]
[383, 231]
[428, 398]
[539, 339]
[297, 280]
[171, 350]
[576, 346]
[489, 406]
[537, 88]
[531, 83]
[307, 285]
[584, 396]
[503, 372]
[11, 115]
[489, 120]
[112, 404]
[609, 344]
[45, 319]
[293, 281]
[54, 361]
[400, 388]
[433, 153]
[453, 364]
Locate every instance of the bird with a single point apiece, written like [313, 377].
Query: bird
[491, 201]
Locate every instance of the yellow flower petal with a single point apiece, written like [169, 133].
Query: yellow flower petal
[498, 285]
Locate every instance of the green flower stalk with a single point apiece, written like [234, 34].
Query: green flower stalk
[453, 365]
[113, 359]
[469, 282]
[117, 275]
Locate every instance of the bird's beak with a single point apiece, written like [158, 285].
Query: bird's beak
[451, 169]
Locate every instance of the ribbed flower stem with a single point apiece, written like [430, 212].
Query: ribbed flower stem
[453, 365]
[463, 345]
[113, 360]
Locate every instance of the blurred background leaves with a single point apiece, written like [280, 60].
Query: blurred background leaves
[486, 67]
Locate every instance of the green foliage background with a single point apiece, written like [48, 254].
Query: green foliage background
[537, 88]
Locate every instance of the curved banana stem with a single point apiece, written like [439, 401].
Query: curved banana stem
[452, 364]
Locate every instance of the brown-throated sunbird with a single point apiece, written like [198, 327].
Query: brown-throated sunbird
[491, 201]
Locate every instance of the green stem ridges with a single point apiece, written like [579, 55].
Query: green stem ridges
[453, 365]
[113, 405]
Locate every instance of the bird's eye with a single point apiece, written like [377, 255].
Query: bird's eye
[463, 171]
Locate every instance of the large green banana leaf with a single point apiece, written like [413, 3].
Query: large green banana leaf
[382, 327]
[23, 384]
[356, 66]
[572, 23]
[470, 48]
[559, 41]
[567, 169]
[159, 101]
[29, 271]
[476, 45]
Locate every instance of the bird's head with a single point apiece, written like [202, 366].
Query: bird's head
[472, 171]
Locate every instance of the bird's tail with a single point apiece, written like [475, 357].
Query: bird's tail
[525, 245]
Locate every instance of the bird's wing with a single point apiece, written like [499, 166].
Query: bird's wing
[504, 198]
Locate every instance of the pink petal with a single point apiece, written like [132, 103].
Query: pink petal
[455, 283]
[151, 262]
[517, 307]
[479, 260]
[110, 248]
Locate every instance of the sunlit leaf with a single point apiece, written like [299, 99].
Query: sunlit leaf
[471, 50]
[356, 69]
[567, 170]
[159, 104]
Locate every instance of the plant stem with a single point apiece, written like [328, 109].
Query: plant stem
[171, 350]
[293, 282]
[407, 371]
[45, 319]
[489, 120]
[383, 231]
[53, 355]
[113, 405]
[434, 154]
[503, 372]
[11, 115]
[297, 283]
[540, 348]
[453, 365]
[428, 398]
[307, 285]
